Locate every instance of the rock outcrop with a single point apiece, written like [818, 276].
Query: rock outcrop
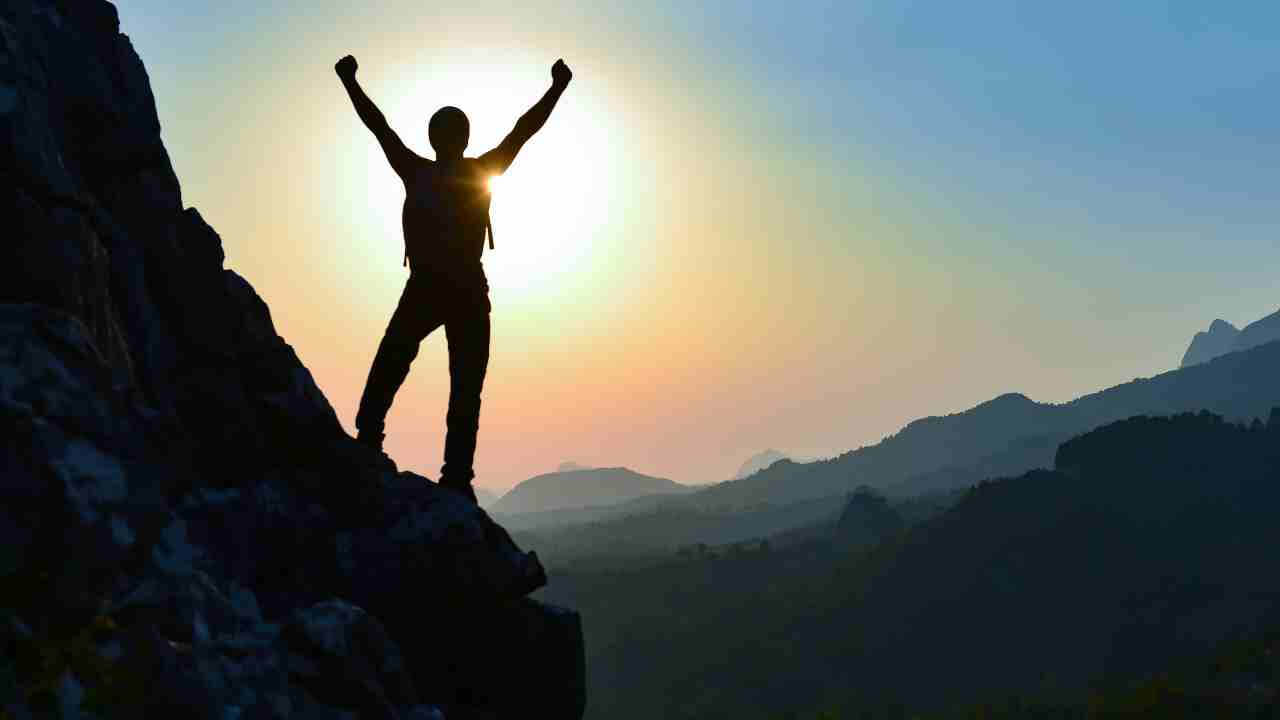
[1222, 337]
[185, 526]
[1219, 339]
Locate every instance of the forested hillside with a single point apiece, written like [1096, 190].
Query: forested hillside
[1148, 545]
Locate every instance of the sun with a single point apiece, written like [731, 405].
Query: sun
[549, 206]
[544, 214]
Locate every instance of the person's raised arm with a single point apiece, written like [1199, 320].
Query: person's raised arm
[400, 157]
[499, 159]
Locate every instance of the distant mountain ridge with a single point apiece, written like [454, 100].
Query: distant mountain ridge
[1003, 437]
[582, 489]
[1222, 337]
[1011, 434]
[758, 462]
[1259, 332]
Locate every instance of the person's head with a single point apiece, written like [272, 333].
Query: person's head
[449, 132]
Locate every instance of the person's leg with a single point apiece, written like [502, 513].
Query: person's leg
[414, 318]
[468, 335]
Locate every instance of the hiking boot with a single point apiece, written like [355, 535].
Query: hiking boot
[375, 455]
[462, 487]
[371, 440]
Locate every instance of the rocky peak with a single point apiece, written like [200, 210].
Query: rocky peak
[1222, 337]
[1219, 339]
[1221, 326]
[185, 525]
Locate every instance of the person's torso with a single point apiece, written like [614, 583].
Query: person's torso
[446, 212]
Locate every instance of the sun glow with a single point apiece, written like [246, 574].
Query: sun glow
[548, 207]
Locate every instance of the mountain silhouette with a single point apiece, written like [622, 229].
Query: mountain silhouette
[1003, 437]
[1219, 339]
[1259, 332]
[1222, 337]
[1142, 544]
[1009, 434]
[1145, 545]
[595, 487]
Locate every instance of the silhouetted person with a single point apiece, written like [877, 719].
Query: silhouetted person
[445, 219]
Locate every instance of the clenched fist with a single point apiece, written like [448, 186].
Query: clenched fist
[560, 73]
[346, 67]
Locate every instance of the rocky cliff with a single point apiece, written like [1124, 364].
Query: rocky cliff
[185, 526]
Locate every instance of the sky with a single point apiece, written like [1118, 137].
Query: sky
[746, 225]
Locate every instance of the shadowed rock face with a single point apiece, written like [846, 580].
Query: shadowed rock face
[185, 526]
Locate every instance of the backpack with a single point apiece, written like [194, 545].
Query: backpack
[449, 200]
[488, 231]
